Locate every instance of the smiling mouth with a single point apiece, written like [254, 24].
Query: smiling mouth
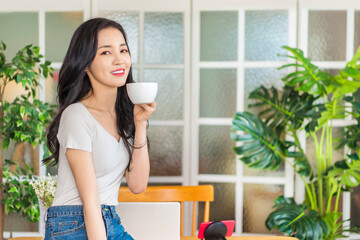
[118, 72]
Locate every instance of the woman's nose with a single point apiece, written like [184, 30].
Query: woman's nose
[118, 59]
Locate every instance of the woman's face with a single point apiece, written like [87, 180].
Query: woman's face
[112, 61]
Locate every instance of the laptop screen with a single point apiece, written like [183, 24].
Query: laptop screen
[151, 220]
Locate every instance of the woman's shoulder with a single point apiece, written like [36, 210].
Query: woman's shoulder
[75, 111]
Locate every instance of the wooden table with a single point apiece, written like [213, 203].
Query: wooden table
[249, 238]
[195, 238]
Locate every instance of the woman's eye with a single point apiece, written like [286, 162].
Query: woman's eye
[105, 53]
[124, 50]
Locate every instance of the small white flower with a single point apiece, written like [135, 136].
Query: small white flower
[45, 189]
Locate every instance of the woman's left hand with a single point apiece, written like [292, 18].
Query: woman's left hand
[142, 112]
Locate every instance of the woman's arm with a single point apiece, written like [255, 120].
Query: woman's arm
[82, 167]
[137, 177]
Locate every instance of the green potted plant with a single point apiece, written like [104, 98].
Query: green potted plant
[19, 195]
[309, 101]
[22, 120]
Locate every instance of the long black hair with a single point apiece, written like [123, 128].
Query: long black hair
[74, 84]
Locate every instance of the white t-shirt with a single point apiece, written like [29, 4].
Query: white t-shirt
[79, 129]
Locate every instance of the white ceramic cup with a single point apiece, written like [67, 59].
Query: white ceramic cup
[144, 92]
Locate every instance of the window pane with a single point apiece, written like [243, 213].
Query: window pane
[265, 33]
[265, 173]
[130, 22]
[217, 92]
[327, 35]
[255, 77]
[163, 38]
[169, 100]
[51, 84]
[215, 151]
[165, 150]
[135, 73]
[18, 29]
[59, 28]
[258, 202]
[223, 206]
[218, 36]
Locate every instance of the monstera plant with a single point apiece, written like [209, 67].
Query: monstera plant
[310, 101]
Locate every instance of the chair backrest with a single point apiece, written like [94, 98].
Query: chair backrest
[202, 193]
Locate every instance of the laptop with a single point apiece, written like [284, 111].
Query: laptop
[151, 220]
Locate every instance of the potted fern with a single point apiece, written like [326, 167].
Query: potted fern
[309, 101]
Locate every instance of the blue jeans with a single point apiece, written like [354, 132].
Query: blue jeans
[67, 223]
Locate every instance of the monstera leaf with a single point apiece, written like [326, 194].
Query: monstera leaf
[308, 77]
[296, 220]
[261, 148]
[301, 163]
[291, 108]
[351, 137]
[348, 170]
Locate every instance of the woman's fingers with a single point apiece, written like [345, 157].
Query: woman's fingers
[151, 107]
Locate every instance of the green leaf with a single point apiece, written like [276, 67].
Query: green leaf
[19, 123]
[13, 189]
[22, 111]
[308, 77]
[296, 220]
[262, 149]
[6, 143]
[22, 137]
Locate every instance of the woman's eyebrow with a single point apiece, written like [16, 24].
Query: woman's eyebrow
[109, 46]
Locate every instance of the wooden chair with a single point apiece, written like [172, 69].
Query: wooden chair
[202, 193]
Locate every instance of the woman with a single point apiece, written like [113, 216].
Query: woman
[97, 136]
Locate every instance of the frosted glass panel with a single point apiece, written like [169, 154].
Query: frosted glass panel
[135, 74]
[310, 147]
[18, 29]
[357, 30]
[223, 206]
[218, 36]
[51, 84]
[265, 173]
[255, 77]
[163, 38]
[169, 101]
[265, 33]
[327, 35]
[59, 28]
[215, 151]
[258, 202]
[165, 150]
[217, 92]
[130, 22]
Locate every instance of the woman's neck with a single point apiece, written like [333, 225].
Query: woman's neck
[104, 101]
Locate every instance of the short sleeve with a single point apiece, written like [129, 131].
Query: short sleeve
[75, 129]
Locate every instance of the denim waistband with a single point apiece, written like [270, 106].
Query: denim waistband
[77, 210]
